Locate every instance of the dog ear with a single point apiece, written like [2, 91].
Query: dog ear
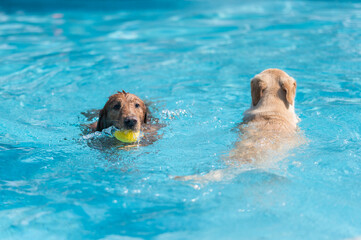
[145, 113]
[146, 117]
[101, 122]
[290, 88]
[257, 88]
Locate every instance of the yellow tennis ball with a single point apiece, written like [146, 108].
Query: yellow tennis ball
[127, 136]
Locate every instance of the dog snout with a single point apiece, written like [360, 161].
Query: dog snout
[130, 122]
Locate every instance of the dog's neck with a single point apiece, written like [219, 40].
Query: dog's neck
[277, 113]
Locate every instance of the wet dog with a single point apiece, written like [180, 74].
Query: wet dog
[269, 128]
[273, 99]
[124, 111]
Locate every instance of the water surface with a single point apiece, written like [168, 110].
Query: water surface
[193, 62]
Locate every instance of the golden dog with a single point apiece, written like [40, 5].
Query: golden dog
[124, 111]
[269, 128]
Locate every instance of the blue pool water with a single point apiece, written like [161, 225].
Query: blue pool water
[193, 62]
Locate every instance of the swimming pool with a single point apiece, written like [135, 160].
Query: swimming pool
[193, 62]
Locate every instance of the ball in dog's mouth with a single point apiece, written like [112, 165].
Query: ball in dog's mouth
[127, 136]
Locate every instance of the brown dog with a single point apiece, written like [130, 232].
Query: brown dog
[124, 111]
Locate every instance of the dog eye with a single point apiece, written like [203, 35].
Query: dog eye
[137, 105]
[116, 106]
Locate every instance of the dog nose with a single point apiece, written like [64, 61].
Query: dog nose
[130, 122]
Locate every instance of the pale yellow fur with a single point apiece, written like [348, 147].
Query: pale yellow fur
[269, 128]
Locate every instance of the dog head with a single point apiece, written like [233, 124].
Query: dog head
[272, 86]
[124, 111]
